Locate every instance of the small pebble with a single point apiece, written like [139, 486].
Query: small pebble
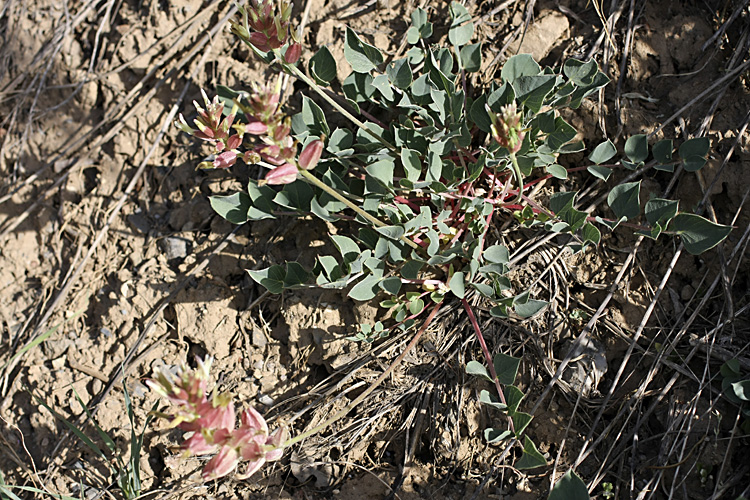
[174, 248]
[139, 222]
[265, 399]
[59, 363]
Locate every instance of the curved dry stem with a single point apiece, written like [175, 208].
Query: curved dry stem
[374, 385]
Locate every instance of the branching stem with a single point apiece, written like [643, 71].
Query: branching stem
[343, 199]
[299, 74]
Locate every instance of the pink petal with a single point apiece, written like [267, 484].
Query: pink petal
[274, 454]
[222, 464]
[256, 128]
[278, 437]
[221, 417]
[293, 53]
[234, 142]
[285, 174]
[282, 131]
[252, 468]
[197, 445]
[310, 156]
[250, 418]
[225, 159]
[250, 448]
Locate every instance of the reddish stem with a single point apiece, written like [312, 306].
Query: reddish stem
[401, 199]
[487, 356]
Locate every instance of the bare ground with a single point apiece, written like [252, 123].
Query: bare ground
[109, 246]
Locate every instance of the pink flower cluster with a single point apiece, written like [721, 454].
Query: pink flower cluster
[507, 129]
[265, 25]
[212, 424]
[212, 128]
[265, 121]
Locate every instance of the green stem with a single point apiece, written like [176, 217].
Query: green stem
[299, 74]
[328, 189]
[374, 385]
[519, 177]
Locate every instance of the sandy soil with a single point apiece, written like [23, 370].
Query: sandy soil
[109, 246]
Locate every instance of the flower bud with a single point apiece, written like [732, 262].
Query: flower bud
[285, 174]
[293, 53]
[507, 129]
[225, 159]
[260, 41]
[310, 156]
[234, 142]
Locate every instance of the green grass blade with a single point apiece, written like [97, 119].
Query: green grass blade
[41, 338]
[134, 476]
[5, 490]
[102, 434]
[75, 430]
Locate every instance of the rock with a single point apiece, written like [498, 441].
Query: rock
[174, 248]
[139, 222]
[258, 338]
[543, 34]
[589, 367]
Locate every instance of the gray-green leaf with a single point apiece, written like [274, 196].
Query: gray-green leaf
[698, 234]
[456, 284]
[323, 66]
[506, 368]
[603, 152]
[569, 487]
[233, 208]
[636, 148]
[624, 199]
[477, 369]
[531, 458]
[362, 56]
